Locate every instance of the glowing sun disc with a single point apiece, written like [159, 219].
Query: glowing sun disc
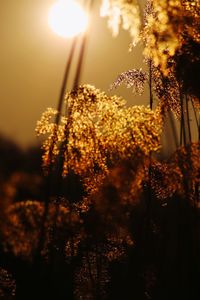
[67, 18]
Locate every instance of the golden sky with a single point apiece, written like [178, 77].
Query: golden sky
[33, 58]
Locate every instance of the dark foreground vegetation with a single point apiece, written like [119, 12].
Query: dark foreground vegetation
[163, 263]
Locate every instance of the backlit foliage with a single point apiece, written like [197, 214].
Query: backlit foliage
[166, 28]
[167, 90]
[180, 175]
[122, 12]
[134, 79]
[99, 131]
[171, 37]
[107, 144]
[111, 207]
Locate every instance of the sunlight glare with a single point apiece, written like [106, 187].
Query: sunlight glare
[67, 18]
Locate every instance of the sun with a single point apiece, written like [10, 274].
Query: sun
[67, 18]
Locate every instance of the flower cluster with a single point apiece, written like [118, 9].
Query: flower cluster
[167, 90]
[168, 27]
[99, 131]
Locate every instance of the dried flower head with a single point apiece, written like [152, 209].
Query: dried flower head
[167, 89]
[134, 79]
[164, 180]
[99, 131]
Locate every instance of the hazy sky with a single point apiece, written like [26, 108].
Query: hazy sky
[32, 61]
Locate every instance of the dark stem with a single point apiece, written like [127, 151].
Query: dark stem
[149, 197]
[196, 119]
[98, 269]
[50, 168]
[173, 127]
[65, 79]
[64, 145]
[150, 85]
[90, 272]
[188, 118]
[82, 51]
[182, 129]
[80, 62]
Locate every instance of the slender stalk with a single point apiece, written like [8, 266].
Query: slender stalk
[150, 85]
[188, 119]
[80, 62]
[173, 127]
[82, 51]
[50, 168]
[69, 110]
[149, 197]
[90, 271]
[98, 270]
[196, 119]
[65, 79]
[183, 130]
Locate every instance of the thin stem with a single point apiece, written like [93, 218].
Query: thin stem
[182, 131]
[188, 119]
[65, 79]
[149, 197]
[150, 85]
[64, 144]
[90, 271]
[80, 62]
[196, 119]
[98, 270]
[173, 127]
[82, 51]
[69, 110]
